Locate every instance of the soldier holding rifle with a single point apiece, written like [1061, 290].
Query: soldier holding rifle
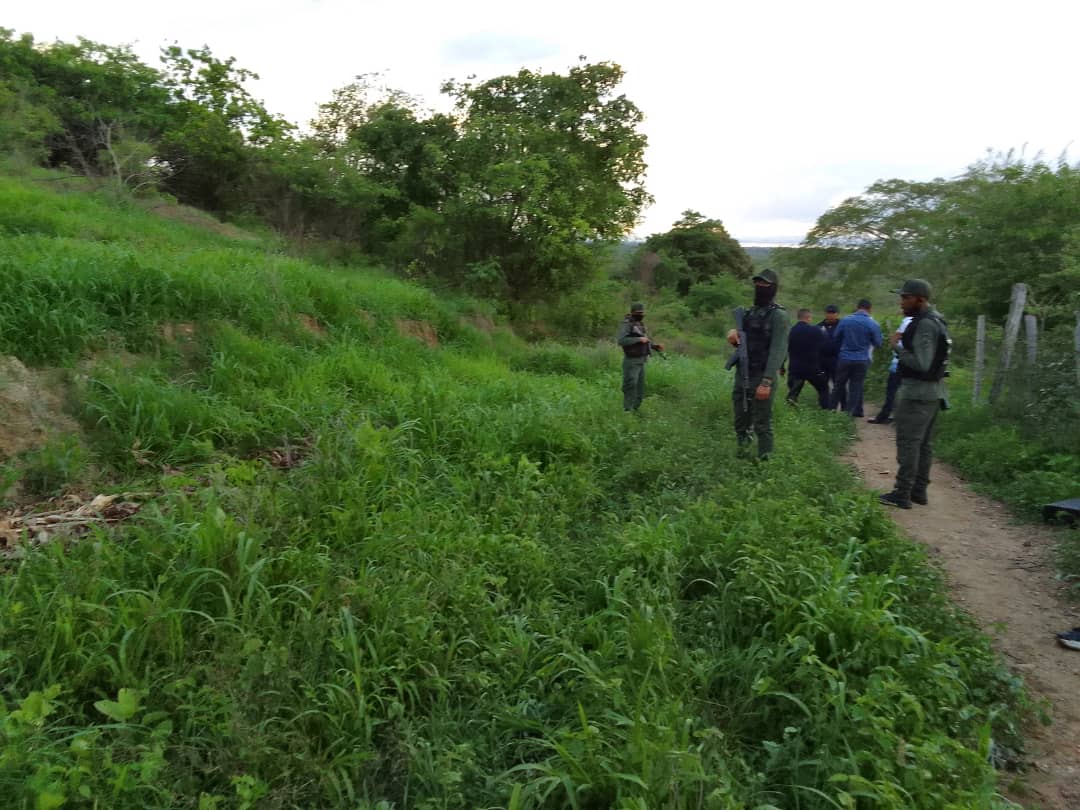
[636, 346]
[760, 336]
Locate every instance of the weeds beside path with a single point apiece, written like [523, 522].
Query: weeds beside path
[1002, 573]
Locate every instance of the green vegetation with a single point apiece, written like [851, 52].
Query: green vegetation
[1006, 220]
[513, 197]
[473, 583]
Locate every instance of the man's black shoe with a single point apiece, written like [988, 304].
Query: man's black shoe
[919, 498]
[892, 499]
[877, 420]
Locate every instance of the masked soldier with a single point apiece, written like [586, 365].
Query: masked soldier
[765, 326]
[636, 346]
[922, 358]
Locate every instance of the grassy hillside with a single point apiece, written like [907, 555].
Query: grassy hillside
[371, 572]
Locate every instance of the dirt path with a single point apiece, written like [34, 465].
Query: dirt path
[999, 571]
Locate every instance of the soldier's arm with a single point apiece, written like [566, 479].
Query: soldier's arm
[777, 343]
[623, 337]
[924, 346]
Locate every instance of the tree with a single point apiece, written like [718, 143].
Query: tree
[546, 164]
[696, 250]
[1003, 221]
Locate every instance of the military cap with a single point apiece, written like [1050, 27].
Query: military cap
[768, 276]
[637, 306]
[916, 287]
[832, 308]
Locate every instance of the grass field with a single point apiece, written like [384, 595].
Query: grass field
[474, 583]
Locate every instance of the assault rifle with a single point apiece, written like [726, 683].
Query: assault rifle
[654, 348]
[740, 356]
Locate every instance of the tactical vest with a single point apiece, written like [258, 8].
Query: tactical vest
[941, 352]
[757, 323]
[637, 329]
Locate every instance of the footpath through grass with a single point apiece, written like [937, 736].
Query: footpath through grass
[484, 586]
[1023, 450]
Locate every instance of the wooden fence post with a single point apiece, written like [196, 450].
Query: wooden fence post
[1076, 346]
[1031, 339]
[1012, 331]
[980, 358]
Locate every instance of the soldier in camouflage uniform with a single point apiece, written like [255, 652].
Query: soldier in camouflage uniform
[636, 346]
[923, 355]
[765, 325]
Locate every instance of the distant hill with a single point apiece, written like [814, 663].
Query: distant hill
[759, 255]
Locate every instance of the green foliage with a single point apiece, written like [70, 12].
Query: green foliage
[471, 583]
[47, 471]
[546, 163]
[1004, 221]
[695, 251]
[718, 294]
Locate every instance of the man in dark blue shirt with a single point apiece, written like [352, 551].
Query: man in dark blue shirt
[857, 336]
[829, 348]
[804, 359]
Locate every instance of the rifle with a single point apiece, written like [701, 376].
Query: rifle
[654, 349]
[740, 356]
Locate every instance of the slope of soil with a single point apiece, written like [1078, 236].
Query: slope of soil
[1001, 572]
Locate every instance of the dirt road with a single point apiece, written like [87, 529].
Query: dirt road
[1000, 571]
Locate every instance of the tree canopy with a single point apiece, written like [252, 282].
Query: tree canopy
[696, 250]
[1004, 220]
[509, 196]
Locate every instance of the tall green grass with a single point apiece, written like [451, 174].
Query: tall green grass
[484, 586]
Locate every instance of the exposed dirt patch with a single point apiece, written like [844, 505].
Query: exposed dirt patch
[31, 408]
[421, 330]
[1000, 571]
[182, 332]
[311, 325]
[193, 216]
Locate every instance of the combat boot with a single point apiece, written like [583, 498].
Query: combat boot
[895, 499]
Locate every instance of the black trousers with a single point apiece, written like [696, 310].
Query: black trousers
[797, 377]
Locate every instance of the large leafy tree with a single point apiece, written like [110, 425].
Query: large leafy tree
[547, 165]
[1003, 221]
[694, 251]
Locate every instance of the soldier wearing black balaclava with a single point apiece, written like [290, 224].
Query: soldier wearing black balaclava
[766, 328]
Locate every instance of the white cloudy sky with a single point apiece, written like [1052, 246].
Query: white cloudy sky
[761, 114]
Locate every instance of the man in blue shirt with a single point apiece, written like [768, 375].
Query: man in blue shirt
[856, 337]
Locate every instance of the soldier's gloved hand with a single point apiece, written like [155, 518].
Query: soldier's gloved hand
[762, 391]
[642, 340]
[733, 337]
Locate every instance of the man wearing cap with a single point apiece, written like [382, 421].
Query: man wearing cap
[922, 361]
[636, 346]
[765, 325]
[829, 348]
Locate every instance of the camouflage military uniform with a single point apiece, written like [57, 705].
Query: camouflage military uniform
[766, 329]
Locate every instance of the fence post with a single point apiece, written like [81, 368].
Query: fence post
[1076, 346]
[1012, 331]
[980, 358]
[1031, 339]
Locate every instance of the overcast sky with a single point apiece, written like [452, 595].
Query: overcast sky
[761, 114]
